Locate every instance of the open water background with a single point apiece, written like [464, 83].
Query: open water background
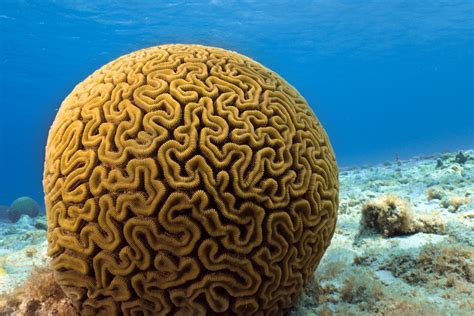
[384, 77]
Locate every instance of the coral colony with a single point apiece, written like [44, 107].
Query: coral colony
[187, 179]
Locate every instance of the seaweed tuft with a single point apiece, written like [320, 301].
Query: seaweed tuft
[39, 295]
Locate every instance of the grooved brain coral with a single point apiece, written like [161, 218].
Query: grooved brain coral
[184, 179]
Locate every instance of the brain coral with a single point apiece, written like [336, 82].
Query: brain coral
[184, 179]
[23, 206]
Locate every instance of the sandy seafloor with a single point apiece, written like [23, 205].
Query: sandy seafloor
[362, 272]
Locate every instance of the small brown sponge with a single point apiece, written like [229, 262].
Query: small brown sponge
[187, 180]
[23, 206]
[391, 216]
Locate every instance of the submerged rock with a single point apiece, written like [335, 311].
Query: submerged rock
[392, 216]
[41, 223]
[461, 158]
[389, 215]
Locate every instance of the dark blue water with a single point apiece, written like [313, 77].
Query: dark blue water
[384, 77]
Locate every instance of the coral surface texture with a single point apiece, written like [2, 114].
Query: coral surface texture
[184, 179]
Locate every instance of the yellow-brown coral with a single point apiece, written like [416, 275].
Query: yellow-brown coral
[187, 179]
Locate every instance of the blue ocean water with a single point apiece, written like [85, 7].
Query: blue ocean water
[386, 78]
